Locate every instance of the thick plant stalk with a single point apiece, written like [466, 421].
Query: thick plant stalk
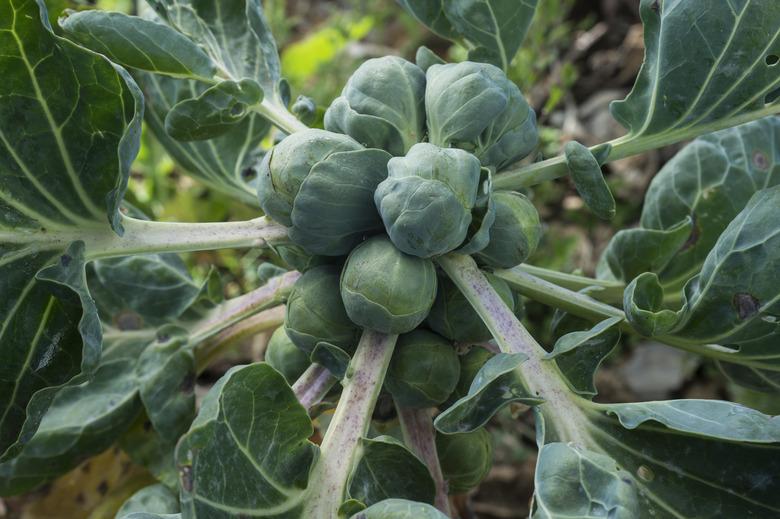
[603, 290]
[339, 449]
[213, 347]
[273, 293]
[141, 236]
[541, 376]
[586, 307]
[622, 147]
[312, 386]
[420, 437]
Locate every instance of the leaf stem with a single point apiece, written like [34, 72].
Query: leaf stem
[241, 317]
[586, 307]
[279, 116]
[143, 236]
[543, 378]
[312, 386]
[622, 147]
[420, 437]
[210, 349]
[604, 290]
[339, 449]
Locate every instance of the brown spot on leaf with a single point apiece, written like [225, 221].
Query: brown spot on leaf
[102, 488]
[128, 320]
[656, 6]
[760, 160]
[80, 499]
[746, 305]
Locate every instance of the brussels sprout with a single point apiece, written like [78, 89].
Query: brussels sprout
[470, 364]
[465, 459]
[386, 290]
[297, 258]
[316, 314]
[427, 198]
[334, 208]
[475, 107]
[288, 163]
[453, 316]
[285, 357]
[423, 371]
[381, 105]
[515, 233]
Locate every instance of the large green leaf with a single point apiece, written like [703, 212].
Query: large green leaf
[247, 453]
[143, 290]
[227, 163]
[69, 128]
[82, 420]
[709, 182]
[495, 28]
[705, 62]
[575, 483]
[683, 458]
[235, 35]
[139, 43]
[492, 30]
[735, 300]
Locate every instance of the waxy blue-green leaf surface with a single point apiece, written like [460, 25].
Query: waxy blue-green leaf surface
[399, 509]
[69, 128]
[735, 300]
[247, 453]
[585, 171]
[496, 385]
[574, 483]
[228, 163]
[138, 43]
[691, 201]
[705, 62]
[387, 469]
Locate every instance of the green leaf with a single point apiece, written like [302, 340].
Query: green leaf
[735, 300]
[492, 30]
[761, 380]
[576, 483]
[154, 499]
[425, 57]
[634, 251]
[431, 13]
[705, 63]
[82, 420]
[332, 357]
[709, 181]
[228, 163]
[248, 449]
[496, 28]
[387, 469]
[684, 458]
[235, 34]
[135, 291]
[496, 385]
[589, 180]
[69, 128]
[399, 509]
[214, 112]
[579, 353]
[138, 43]
[166, 383]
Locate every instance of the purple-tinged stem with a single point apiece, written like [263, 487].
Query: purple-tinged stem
[312, 386]
[420, 437]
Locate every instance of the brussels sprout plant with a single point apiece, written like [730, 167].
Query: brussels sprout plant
[404, 227]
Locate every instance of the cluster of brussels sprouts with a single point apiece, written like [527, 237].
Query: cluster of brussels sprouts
[402, 174]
